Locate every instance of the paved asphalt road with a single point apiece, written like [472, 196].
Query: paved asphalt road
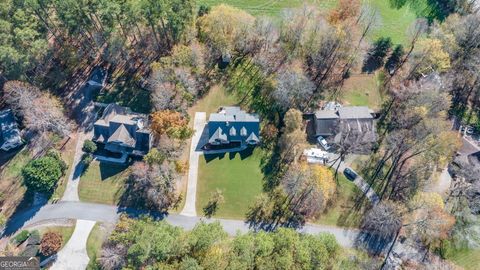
[110, 214]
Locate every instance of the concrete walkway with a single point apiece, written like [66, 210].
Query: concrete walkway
[190, 198]
[74, 255]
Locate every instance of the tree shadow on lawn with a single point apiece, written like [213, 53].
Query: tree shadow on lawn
[231, 155]
[5, 157]
[24, 211]
[355, 210]
[108, 170]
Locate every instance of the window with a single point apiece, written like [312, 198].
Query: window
[233, 132]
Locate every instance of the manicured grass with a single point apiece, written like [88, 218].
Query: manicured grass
[469, 259]
[94, 244]
[65, 231]
[362, 90]
[216, 97]
[268, 7]
[391, 22]
[237, 175]
[341, 212]
[102, 183]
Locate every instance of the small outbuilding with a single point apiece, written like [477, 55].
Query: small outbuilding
[315, 155]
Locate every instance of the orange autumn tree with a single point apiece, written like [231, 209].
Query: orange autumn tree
[170, 123]
[346, 9]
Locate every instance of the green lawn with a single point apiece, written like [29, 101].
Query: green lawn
[94, 244]
[362, 90]
[239, 178]
[268, 7]
[469, 259]
[340, 213]
[216, 97]
[15, 166]
[102, 183]
[391, 22]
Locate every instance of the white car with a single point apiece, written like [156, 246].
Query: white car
[323, 143]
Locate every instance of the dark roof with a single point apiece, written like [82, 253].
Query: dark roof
[122, 135]
[326, 114]
[217, 136]
[233, 124]
[353, 119]
[9, 133]
[325, 127]
[119, 125]
[474, 158]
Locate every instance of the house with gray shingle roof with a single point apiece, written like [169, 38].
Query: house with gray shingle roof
[9, 133]
[233, 126]
[350, 119]
[120, 130]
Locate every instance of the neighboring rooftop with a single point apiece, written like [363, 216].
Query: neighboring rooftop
[9, 132]
[355, 112]
[122, 130]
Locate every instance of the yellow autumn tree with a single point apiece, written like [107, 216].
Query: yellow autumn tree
[223, 25]
[428, 199]
[326, 181]
[432, 56]
[428, 220]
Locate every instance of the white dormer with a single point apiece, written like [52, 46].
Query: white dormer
[243, 131]
[233, 132]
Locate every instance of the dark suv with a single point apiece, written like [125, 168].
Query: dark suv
[350, 174]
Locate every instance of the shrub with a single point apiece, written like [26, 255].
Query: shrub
[89, 146]
[87, 159]
[154, 157]
[51, 243]
[21, 237]
[43, 173]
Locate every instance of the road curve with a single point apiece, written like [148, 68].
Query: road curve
[110, 214]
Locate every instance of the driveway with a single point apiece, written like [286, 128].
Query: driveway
[74, 255]
[359, 182]
[195, 152]
[71, 191]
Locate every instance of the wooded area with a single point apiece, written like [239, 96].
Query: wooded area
[163, 56]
